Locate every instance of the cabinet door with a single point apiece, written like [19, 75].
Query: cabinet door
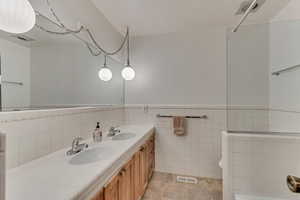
[151, 156]
[137, 190]
[143, 168]
[111, 191]
[126, 183]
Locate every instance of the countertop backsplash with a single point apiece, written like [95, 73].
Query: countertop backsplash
[40, 133]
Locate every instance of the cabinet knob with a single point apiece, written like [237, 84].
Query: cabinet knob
[121, 173]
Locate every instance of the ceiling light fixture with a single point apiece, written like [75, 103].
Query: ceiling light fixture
[93, 46]
[105, 73]
[128, 72]
[16, 16]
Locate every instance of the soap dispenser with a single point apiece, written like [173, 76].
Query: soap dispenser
[97, 134]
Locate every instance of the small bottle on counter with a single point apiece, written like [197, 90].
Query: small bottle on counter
[97, 134]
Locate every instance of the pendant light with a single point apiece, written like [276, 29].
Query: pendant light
[16, 16]
[128, 72]
[105, 73]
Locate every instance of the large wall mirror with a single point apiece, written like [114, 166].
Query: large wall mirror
[41, 71]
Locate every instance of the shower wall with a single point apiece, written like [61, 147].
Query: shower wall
[15, 66]
[269, 102]
[284, 89]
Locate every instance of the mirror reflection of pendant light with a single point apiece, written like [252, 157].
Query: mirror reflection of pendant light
[16, 16]
[128, 72]
[105, 73]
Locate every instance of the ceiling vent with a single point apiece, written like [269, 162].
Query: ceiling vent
[245, 5]
[23, 38]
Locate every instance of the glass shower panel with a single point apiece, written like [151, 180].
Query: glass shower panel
[248, 79]
[263, 78]
[260, 148]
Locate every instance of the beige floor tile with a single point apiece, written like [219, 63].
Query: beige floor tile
[163, 186]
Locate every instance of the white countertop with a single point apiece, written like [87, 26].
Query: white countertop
[53, 177]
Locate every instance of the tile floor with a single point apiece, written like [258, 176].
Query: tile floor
[163, 186]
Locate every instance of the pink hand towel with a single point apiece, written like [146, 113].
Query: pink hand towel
[179, 125]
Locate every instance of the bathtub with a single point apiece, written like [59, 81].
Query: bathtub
[247, 197]
[262, 151]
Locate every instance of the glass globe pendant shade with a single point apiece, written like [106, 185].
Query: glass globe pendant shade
[16, 16]
[128, 73]
[105, 74]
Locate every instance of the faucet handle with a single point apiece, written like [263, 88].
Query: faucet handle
[76, 147]
[113, 131]
[76, 141]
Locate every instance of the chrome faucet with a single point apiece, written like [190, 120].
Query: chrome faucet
[113, 131]
[77, 147]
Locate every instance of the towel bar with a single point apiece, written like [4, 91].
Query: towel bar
[188, 117]
[12, 82]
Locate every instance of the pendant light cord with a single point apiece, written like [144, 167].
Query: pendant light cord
[105, 63]
[65, 33]
[102, 49]
[128, 48]
[59, 21]
[96, 45]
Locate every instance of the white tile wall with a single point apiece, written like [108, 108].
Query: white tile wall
[196, 154]
[284, 121]
[258, 165]
[35, 135]
[255, 165]
[248, 119]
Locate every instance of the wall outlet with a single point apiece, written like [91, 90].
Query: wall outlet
[186, 179]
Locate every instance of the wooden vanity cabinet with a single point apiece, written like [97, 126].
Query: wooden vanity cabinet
[126, 182]
[112, 190]
[147, 163]
[136, 169]
[143, 168]
[151, 156]
[133, 178]
[122, 186]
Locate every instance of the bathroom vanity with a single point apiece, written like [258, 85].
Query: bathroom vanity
[115, 169]
[131, 180]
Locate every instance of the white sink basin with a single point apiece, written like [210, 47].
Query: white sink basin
[91, 155]
[124, 136]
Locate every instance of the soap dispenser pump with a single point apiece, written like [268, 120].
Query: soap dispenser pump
[97, 134]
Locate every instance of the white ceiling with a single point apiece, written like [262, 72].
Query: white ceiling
[72, 13]
[151, 17]
[148, 17]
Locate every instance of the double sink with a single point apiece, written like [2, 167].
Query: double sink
[58, 176]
